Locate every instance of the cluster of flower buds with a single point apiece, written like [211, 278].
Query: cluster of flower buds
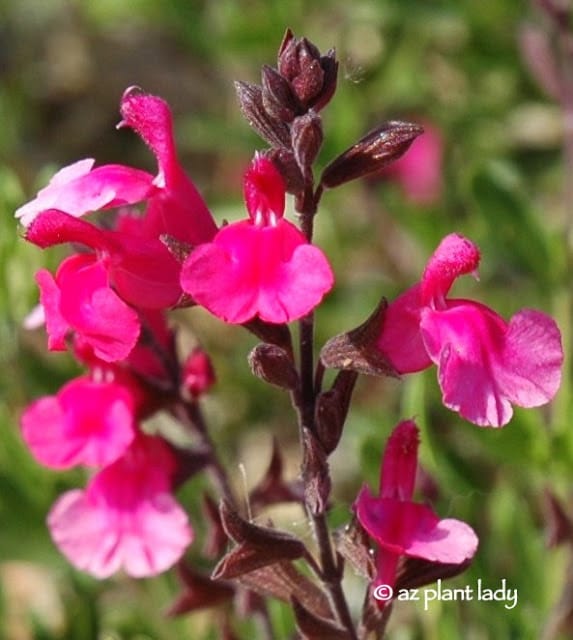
[284, 109]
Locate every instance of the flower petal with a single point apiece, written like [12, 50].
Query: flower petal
[407, 528]
[247, 271]
[400, 461]
[455, 256]
[86, 423]
[530, 367]
[125, 519]
[78, 189]
[466, 342]
[400, 340]
[485, 364]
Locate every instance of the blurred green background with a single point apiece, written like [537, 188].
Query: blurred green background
[457, 64]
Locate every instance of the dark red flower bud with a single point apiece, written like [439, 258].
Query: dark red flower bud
[273, 365]
[274, 131]
[306, 136]
[256, 546]
[374, 151]
[312, 76]
[199, 592]
[558, 526]
[279, 100]
[272, 488]
[284, 581]
[285, 162]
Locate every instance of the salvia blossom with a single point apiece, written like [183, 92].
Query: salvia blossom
[130, 266]
[175, 207]
[401, 527]
[126, 518]
[261, 267]
[485, 364]
[88, 422]
[79, 299]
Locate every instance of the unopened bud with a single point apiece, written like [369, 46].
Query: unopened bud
[306, 136]
[275, 132]
[279, 101]
[197, 375]
[312, 76]
[285, 162]
[371, 153]
[273, 365]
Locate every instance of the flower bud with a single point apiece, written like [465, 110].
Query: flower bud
[375, 150]
[285, 162]
[273, 131]
[306, 136]
[273, 365]
[197, 375]
[312, 76]
[279, 101]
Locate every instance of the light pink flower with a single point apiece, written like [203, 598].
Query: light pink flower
[485, 364]
[126, 518]
[79, 299]
[401, 527]
[90, 421]
[258, 267]
[79, 189]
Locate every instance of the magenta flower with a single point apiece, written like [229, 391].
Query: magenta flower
[90, 421]
[401, 527]
[79, 299]
[177, 209]
[485, 364]
[140, 269]
[174, 204]
[126, 518]
[261, 267]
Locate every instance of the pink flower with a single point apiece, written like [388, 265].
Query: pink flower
[79, 189]
[401, 527]
[258, 267]
[79, 299]
[177, 209]
[485, 364]
[90, 421]
[126, 518]
[140, 269]
[419, 171]
[174, 204]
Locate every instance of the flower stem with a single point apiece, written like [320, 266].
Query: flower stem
[330, 570]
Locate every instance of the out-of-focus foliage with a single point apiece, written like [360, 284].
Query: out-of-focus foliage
[456, 64]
